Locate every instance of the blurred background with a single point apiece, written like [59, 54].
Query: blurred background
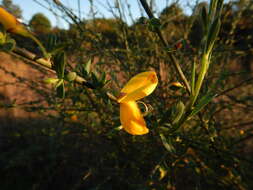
[47, 142]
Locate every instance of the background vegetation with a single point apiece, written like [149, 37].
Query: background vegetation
[74, 142]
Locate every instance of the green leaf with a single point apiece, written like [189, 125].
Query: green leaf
[87, 67]
[59, 64]
[212, 34]
[202, 103]
[58, 83]
[219, 6]
[180, 108]
[102, 79]
[95, 79]
[60, 90]
[167, 144]
[212, 8]
[8, 46]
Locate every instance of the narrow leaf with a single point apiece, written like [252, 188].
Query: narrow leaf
[58, 83]
[212, 34]
[95, 79]
[87, 66]
[202, 103]
[102, 78]
[180, 108]
[167, 144]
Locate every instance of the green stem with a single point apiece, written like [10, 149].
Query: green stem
[193, 76]
[165, 44]
[195, 93]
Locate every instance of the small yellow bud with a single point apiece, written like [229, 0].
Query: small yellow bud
[175, 86]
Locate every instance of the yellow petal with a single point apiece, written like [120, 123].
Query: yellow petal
[139, 86]
[11, 24]
[131, 119]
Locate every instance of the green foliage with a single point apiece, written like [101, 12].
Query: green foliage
[6, 43]
[202, 103]
[167, 144]
[171, 11]
[180, 109]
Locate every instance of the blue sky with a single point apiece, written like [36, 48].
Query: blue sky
[30, 7]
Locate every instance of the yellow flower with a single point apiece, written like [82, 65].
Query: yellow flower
[138, 87]
[11, 24]
[132, 119]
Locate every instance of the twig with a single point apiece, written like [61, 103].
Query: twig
[43, 62]
[165, 44]
[234, 87]
[239, 125]
[249, 136]
[197, 145]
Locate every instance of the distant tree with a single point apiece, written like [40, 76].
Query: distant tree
[40, 24]
[173, 10]
[173, 21]
[12, 8]
[107, 28]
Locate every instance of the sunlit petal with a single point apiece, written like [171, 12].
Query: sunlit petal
[139, 86]
[10, 23]
[131, 118]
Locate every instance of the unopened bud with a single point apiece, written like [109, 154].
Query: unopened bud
[175, 86]
[71, 76]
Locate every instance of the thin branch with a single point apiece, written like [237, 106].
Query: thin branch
[43, 62]
[234, 87]
[165, 44]
[239, 125]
